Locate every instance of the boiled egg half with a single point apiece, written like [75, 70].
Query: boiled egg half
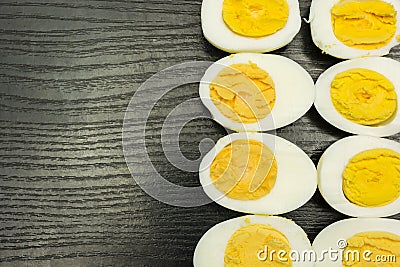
[355, 28]
[364, 242]
[249, 241]
[360, 176]
[250, 25]
[256, 92]
[361, 96]
[258, 173]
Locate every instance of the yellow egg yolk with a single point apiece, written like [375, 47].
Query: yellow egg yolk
[255, 18]
[364, 24]
[363, 96]
[244, 169]
[244, 245]
[364, 249]
[243, 93]
[372, 178]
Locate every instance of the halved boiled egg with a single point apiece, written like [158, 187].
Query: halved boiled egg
[364, 242]
[360, 176]
[258, 173]
[250, 25]
[361, 96]
[355, 28]
[252, 241]
[256, 92]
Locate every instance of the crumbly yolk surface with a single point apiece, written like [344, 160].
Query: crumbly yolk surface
[244, 169]
[381, 244]
[363, 96]
[372, 178]
[243, 246]
[255, 18]
[364, 24]
[243, 93]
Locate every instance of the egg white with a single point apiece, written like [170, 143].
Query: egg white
[330, 169]
[296, 180]
[211, 248]
[343, 230]
[218, 34]
[324, 37]
[294, 87]
[388, 67]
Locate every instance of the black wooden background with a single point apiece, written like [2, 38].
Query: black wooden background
[67, 72]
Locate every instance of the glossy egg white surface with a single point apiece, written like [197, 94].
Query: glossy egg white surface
[324, 37]
[211, 247]
[387, 67]
[330, 169]
[294, 87]
[296, 180]
[335, 235]
[219, 35]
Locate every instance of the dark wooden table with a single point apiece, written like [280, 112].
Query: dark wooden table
[68, 70]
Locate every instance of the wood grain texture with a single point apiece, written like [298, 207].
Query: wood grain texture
[67, 72]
